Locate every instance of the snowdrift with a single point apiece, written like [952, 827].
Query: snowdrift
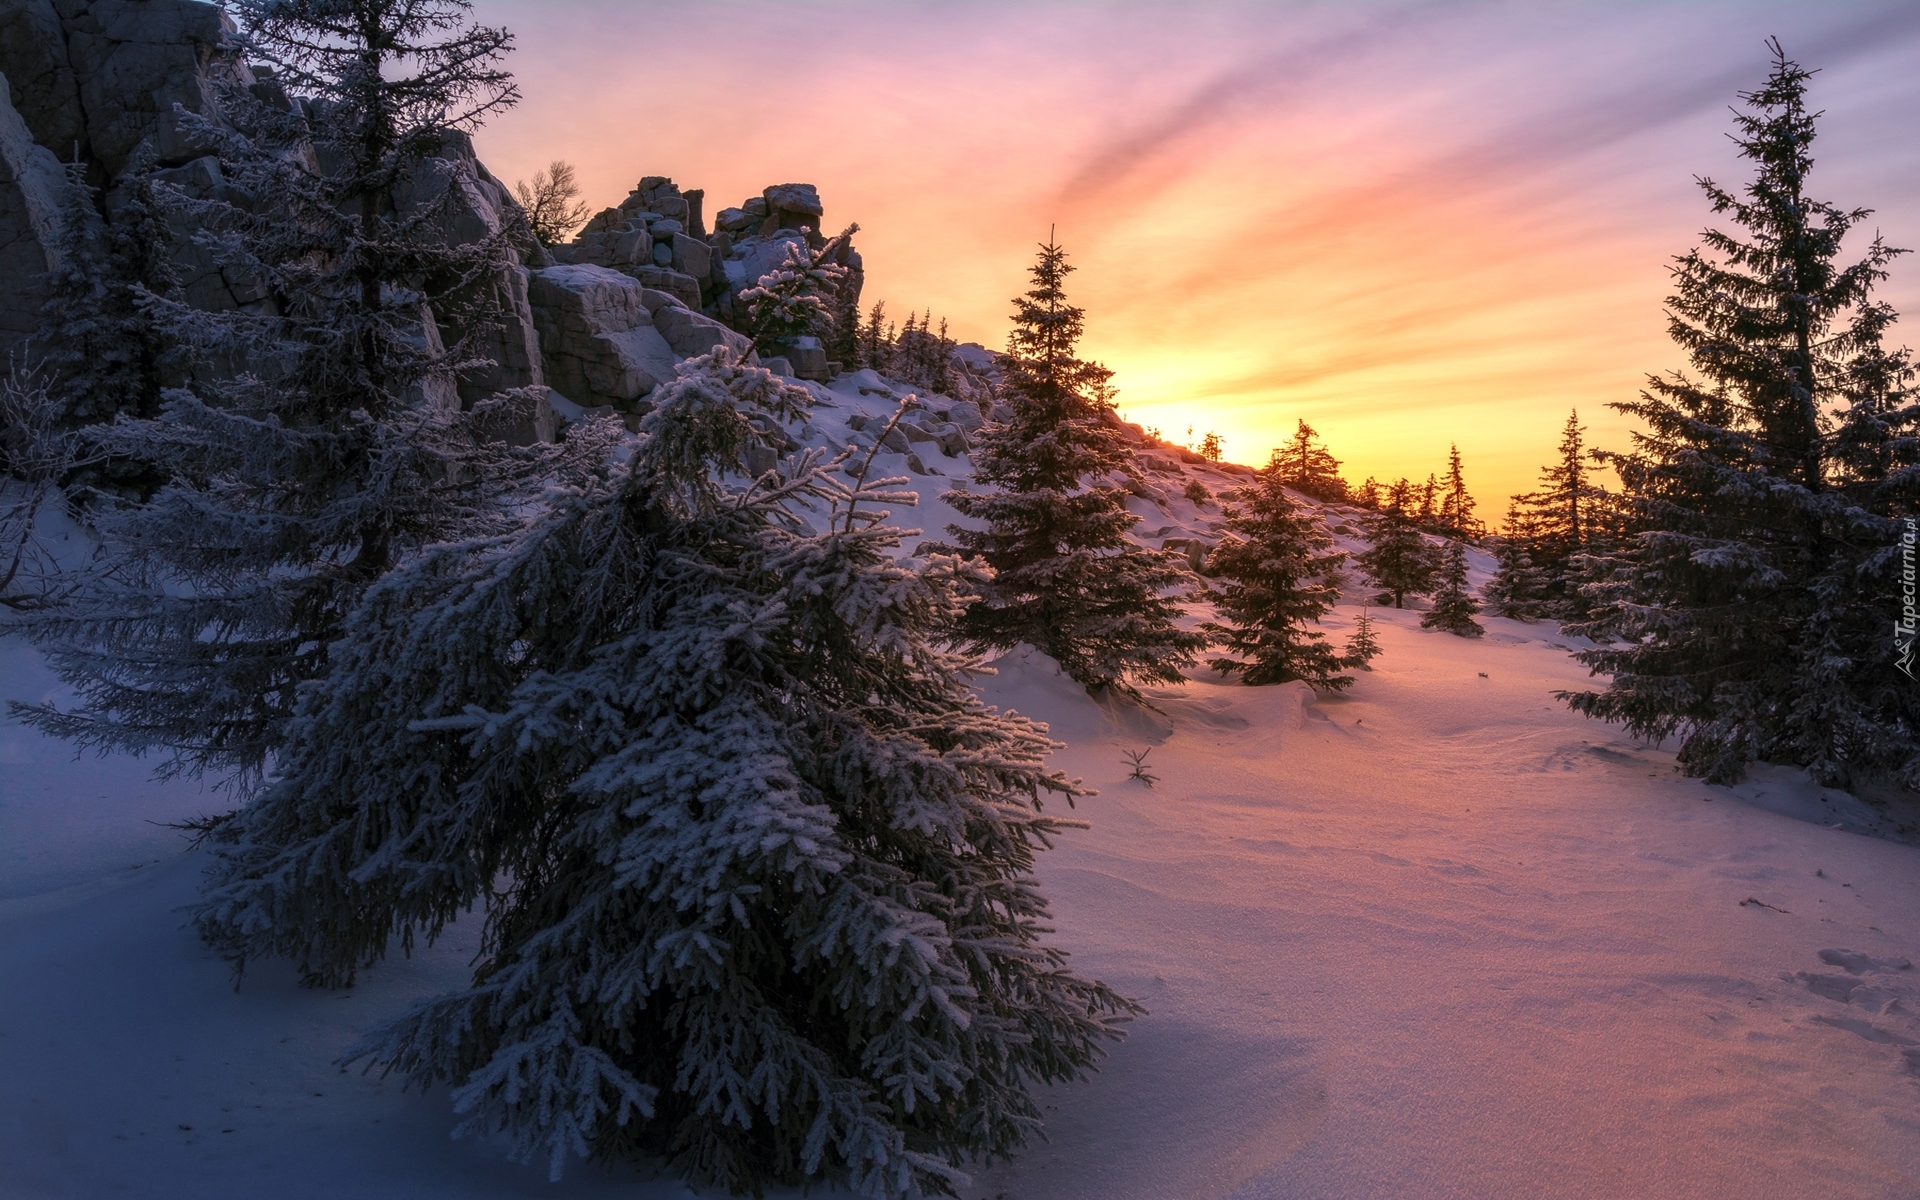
[1432, 937]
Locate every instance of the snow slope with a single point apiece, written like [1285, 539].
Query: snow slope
[1436, 937]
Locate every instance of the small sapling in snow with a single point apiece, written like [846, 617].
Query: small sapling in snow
[1137, 759]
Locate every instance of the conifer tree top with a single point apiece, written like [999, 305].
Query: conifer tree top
[1756, 308]
[1042, 359]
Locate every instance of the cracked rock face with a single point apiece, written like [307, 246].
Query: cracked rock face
[41, 83]
[92, 81]
[96, 81]
[133, 60]
[30, 186]
[597, 338]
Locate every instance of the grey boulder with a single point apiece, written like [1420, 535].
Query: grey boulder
[691, 334]
[691, 256]
[598, 340]
[809, 359]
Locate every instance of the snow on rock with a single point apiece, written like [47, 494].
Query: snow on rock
[597, 336]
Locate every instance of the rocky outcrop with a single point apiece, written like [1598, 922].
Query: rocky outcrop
[691, 334]
[471, 206]
[41, 85]
[809, 359]
[793, 206]
[658, 236]
[751, 258]
[602, 321]
[597, 338]
[31, 184]
[133, 60]
[96, 82]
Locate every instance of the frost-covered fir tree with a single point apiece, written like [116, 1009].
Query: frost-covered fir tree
[876, 338]
[1053, 528]
[1363, 645]
[1544, 556]
[1874, 442]
[1282, 574]
[1308, 467]
[1453, 603]
[103, 350]
[843, 313]
[1745, 611]
[39, 456]
[924, 356]
[792, 301]
[1851, 723]
[757, 864]
[1455, 516]
[1398, 558]
[321, 437]
[1519, 587]
[1565, 492]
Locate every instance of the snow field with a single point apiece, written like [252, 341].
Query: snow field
[1434, 937]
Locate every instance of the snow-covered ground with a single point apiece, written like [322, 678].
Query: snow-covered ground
[1435, 937]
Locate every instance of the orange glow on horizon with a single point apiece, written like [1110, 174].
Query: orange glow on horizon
[1408, 226]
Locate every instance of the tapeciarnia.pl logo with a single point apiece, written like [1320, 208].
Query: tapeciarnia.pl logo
[1904, 628]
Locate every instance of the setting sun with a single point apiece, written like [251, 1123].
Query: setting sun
[1409, 226]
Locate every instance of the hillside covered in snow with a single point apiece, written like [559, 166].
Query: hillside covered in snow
[1433, 936]
[560, 723]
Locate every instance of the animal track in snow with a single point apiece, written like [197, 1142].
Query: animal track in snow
[1855, 963]
[1881, 987]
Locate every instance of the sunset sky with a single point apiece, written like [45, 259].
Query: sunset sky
[1408, 224]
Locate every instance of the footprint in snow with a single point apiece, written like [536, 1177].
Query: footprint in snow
[1882, 987]
[1855, 963]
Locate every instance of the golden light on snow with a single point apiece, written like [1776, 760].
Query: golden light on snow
[1406, 226]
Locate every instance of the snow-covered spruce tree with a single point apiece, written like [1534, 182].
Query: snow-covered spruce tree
[1851, 723]
[1427, 515]
[792, 301]
[1281, 574]
[876, 340]
[1550, 532]
[320, 437]
[1749, 608]
[1453, 603]
[1565, 492]
[1363, 645]
[1455, 516]
[1519, 587]
[38, 456]
[769, 910]
[843, 313]
[1066, 579]
[104, 351]
[1308, 467]
[923, 357]
[1874, 440]
[1399, 560]
[902, 361]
